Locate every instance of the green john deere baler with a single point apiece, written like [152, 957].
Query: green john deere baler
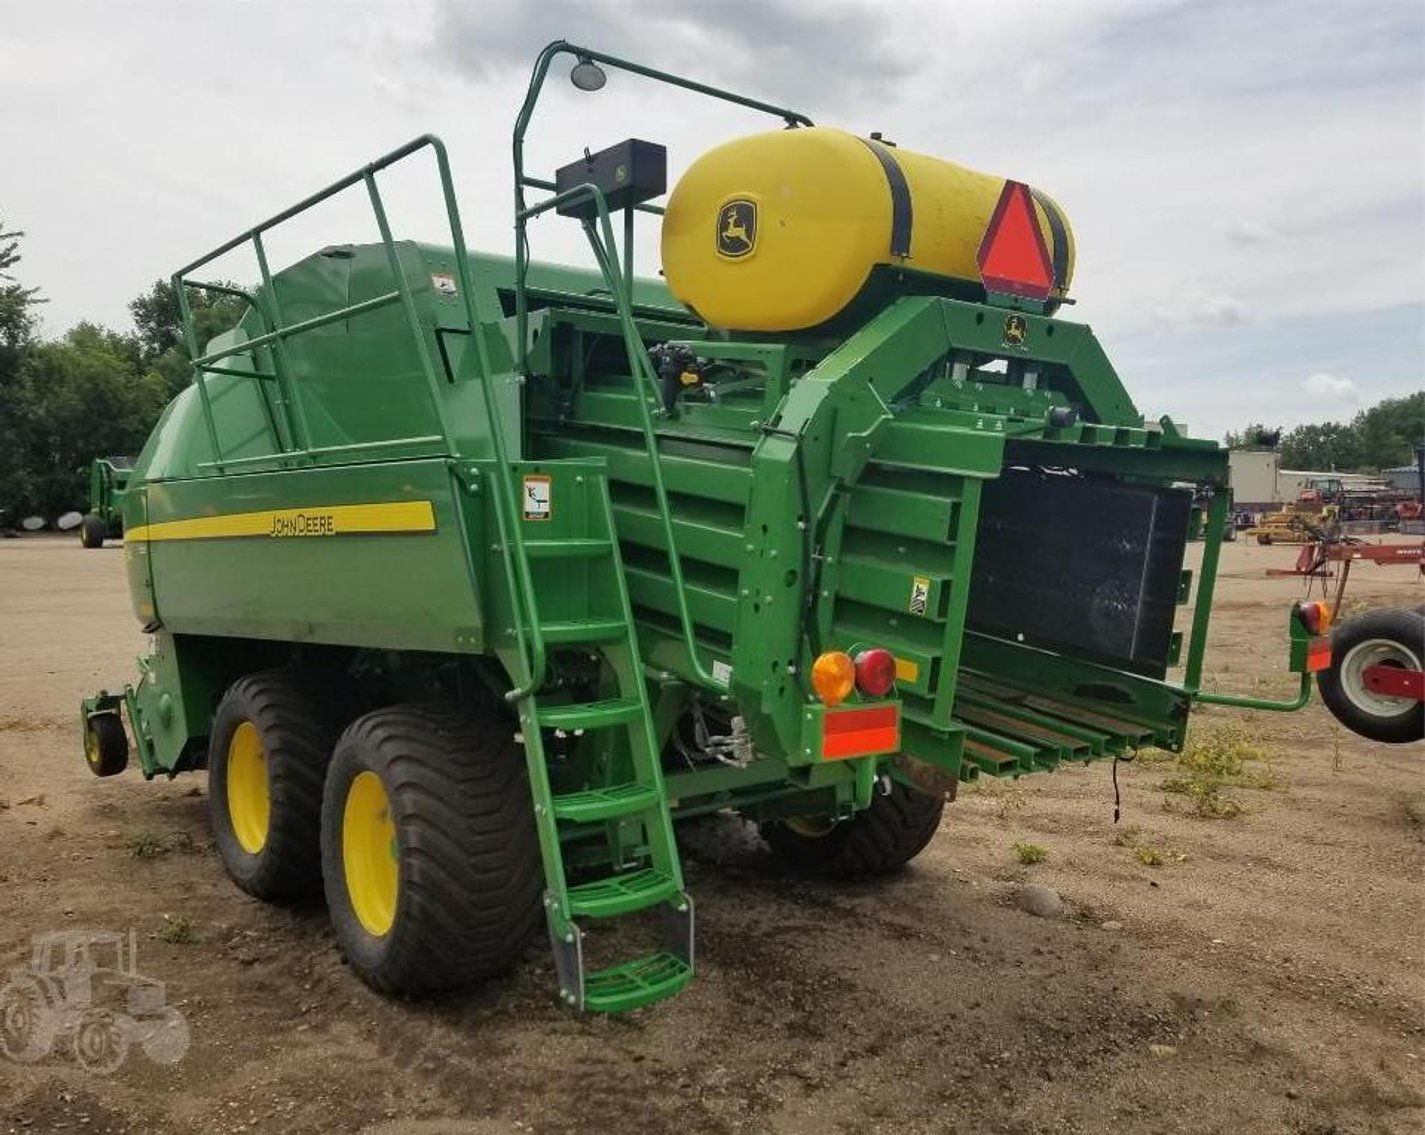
[108, 477]
[468, 577]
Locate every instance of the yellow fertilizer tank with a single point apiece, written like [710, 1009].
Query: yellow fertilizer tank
[783, 231]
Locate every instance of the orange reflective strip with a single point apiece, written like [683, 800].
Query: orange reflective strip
[1318, 655]
[860, 732]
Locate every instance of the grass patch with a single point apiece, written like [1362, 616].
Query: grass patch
[1127, 836]
[1220, 756]
[1031, 853]
[149, 845]
[1149, 856]
[178, 930]
[145, 845]
[1415, 811]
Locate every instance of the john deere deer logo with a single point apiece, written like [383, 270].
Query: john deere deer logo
[737, 228]
[1016, 330]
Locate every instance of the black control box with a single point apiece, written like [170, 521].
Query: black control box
[628, 174]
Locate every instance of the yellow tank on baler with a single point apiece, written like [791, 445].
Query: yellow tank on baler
[783, 231]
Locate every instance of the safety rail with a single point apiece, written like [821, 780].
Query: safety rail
[606, 256]
[275, 336]
[618, 276]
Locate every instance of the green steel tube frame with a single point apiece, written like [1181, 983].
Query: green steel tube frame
[276, 334]
[1197, 643]
[620, 281]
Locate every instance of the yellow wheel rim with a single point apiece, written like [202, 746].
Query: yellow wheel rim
[812, 827]
[249, 804]
[91, 746]
[370, 854]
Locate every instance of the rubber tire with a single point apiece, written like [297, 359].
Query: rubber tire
[1404, 627]
[297, 733]
[878, 841]
[111, 755]
[470, 879]
[92, 532]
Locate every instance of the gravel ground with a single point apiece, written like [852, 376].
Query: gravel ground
[1260, 971]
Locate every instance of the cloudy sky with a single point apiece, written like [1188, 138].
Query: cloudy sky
[1246, 178]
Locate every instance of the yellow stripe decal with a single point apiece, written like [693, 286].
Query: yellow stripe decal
[314, 520]
[906, 670]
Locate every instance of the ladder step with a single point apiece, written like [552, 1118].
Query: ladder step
[584, 630]
[610, 803]
[591, 715]
[622, 894]
[567, 549]
[641, 982]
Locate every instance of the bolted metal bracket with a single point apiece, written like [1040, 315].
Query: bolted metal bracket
[566, 942]
[678, 927]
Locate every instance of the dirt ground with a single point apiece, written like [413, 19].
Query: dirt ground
[1252, 972]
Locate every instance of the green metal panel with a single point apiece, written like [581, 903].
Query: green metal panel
[394, 590]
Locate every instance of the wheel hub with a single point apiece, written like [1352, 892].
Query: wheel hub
[370, 854]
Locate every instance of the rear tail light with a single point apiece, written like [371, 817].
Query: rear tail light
[833, 677]
[1315, 617]
[875, 672]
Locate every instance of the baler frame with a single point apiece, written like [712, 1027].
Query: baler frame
[817, 482]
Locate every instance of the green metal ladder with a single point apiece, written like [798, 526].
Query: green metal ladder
[568, 524]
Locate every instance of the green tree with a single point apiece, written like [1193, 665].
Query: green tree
[1256, 435]
[1327, 445]
[16, 320]
[158, 324]
[1389, 431]
[16, 332]
[73, 399]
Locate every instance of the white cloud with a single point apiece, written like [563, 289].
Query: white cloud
[1246, 231]
[1211, 309]
[1328, 385]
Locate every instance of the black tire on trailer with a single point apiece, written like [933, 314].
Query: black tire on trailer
[268, 753]
[92, 532]
[1263, 538]
[879, 841]
[106, 745]
[1377, 638]
[429, 849]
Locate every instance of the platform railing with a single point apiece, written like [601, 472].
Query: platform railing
[617, 272]
[276, 334]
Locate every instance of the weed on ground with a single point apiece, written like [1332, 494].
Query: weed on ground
[1219, 756]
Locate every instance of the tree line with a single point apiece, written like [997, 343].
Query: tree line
[91, 392]
[1381, 437]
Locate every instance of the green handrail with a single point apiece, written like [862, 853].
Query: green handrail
[275, 335]
[606, 256]
[1303, 695]
[619, 277]
[522, 181]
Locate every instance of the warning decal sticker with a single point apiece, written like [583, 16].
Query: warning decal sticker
[919, 594]
[538, 497]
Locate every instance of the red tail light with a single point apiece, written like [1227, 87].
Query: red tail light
[875, 672]
[1315, 617]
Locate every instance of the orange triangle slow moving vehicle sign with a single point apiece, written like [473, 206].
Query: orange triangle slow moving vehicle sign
[1013, 258]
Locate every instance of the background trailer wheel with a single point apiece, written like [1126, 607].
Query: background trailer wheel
[1394, 640]
[267, 757]
[429, 850]
[106, 745]
[92, 531]
[879, 841]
